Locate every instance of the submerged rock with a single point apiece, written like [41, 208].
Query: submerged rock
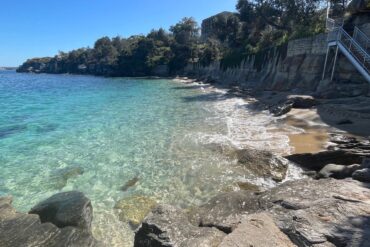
[134, 209]
[11, 130]
[132, 182]
[263, 163]
[248, 186]
[168, 226]
[19, 229]
[60, 177]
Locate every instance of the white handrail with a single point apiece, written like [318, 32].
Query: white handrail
[361, 38]
[353, 45]
[362, 56]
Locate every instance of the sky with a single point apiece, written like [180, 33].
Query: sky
[41, 28]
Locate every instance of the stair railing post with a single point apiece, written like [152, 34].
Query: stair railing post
[326, 62]
[335, 62]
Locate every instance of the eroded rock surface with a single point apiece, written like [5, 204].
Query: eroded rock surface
[263, 163]
[325, 212]
[19, 229]
[169, 226]
[257, 230]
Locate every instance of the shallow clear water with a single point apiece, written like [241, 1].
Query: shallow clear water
[109, 131]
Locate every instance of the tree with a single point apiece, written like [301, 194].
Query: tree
[186, 31]
[212, 52]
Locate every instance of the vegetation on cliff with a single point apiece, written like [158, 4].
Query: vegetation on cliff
[257, 25]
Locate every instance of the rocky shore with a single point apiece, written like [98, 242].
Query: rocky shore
[329, 207]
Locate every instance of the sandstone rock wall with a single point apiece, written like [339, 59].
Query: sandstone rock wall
[296, 67]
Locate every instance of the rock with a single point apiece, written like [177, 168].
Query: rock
[362, 175]
[60, 177]
[317, 161]
[342, 139]
[11, 130]
[344, 122]
[325, 212]
[294, 101]
[66, 209]
[134, 209]
[338, 171]
[303, 102]
[169, 226]
[311, 174]
[263, 163]
[248, 186]
[130, 184]
[345, 151]
[281, 109]
[258, 230]
[19, 229]
[225, 211]
[366, 163]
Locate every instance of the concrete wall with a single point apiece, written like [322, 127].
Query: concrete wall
[313, 45]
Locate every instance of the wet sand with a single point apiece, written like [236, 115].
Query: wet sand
[349, 116]
[315, 134]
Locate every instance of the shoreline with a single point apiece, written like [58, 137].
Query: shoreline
[227, 214]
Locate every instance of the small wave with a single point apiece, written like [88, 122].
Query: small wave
[246, 127]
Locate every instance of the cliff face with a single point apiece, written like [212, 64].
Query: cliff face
[297, 66]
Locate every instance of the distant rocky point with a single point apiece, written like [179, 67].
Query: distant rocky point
[8, 68]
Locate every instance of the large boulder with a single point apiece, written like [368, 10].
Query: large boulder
[257, 230]
[19, 229]
[168, 226]
[66, 209]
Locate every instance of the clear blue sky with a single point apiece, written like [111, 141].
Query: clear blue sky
[43, 27]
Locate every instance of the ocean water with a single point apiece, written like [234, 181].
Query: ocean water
[93, 134]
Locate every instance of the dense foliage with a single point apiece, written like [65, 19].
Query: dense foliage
[257, 25]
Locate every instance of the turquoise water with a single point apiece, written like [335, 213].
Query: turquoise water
[93, 134]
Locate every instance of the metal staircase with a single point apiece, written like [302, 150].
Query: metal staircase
[355, 48]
